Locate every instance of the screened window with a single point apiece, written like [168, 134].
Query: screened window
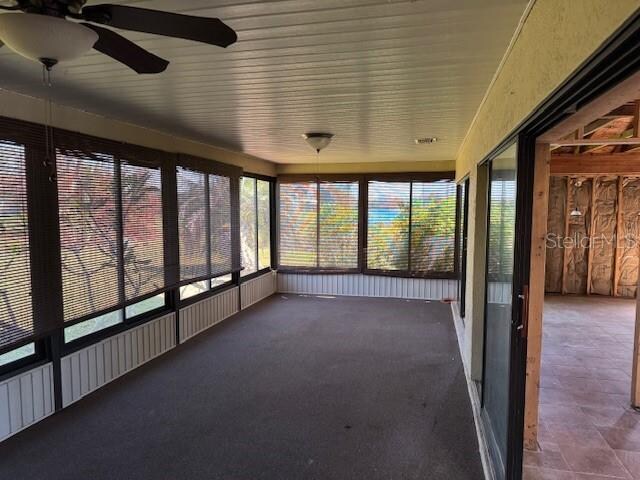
[463, 214]
[501, 222]
[411, 226]
[263, 193]
[91, 260]
[319, 224]
[17, 354]
[248, 225]
[298, 228]
[220, 228]
[388, 225]
[111, 237]
[204, 230]
[192, 223]
[255, 224]
[16, 315]
[143, 249]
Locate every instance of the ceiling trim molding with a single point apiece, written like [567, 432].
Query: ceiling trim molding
[365, 167]
[31, 109]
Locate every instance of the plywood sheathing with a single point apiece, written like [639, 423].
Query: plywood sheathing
[578, 231]
[555, 233]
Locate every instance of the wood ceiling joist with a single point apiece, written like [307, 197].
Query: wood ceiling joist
[598, 141]
[591, 165]
[610, 104]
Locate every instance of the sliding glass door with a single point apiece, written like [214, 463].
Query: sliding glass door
[501, 318]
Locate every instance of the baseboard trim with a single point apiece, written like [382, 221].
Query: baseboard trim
[487, 467]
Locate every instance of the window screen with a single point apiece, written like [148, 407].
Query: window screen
[220, 229]
[298, 215]
[255, 224]
[501, 223]
[433, 226]
[319, 224]
[248, 225]
[204, 225]
[463, 214]
[143, 249]
[338, 225]
[192, 223]
[87, 197]
[411, 226]
[111, 232]
[16, 315]
[263, 189]
[388, 225]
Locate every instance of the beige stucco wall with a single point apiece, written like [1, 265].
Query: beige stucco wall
[367, 167]
[556, 38]
[30, 109]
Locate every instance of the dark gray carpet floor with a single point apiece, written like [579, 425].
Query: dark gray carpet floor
[293, 388]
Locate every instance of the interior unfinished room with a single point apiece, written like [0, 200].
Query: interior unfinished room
[587, 397]
[348, 239]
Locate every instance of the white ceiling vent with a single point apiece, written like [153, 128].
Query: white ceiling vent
[425, 140]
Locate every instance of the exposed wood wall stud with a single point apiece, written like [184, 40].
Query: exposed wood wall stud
[635, 374]
[592, 220]
[536, 294]
[565, 256]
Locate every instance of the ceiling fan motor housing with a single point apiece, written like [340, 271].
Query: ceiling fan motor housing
[45, 38]
[41, 31]
[54, 8]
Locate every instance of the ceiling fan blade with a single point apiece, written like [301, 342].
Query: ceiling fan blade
[125, 51]
[200, 29]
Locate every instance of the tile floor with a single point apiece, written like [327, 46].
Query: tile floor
[587, 430]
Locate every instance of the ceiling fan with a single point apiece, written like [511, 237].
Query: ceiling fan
[40, 30]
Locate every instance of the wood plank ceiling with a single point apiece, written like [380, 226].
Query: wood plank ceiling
[376, 73]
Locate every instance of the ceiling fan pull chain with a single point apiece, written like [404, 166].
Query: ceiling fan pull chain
[45, 162]
[48, 118]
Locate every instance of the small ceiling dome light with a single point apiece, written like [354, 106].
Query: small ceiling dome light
[318, 141]
[44, 38]
[576, 212]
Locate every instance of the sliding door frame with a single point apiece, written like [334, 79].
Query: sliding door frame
[616, 60]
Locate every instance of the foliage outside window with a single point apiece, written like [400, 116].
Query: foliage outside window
[463, 214]
[16, 314]
[411, 226]
[204, 231]
[319, 224]
[255, 225]
[111, 238]
[502, 213]
[17, 354]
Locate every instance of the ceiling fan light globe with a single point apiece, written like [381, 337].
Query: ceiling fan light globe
[318, 141]
[39, 37]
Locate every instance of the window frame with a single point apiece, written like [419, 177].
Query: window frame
[272, 227]
[408, 178]
[122, 154]
[41, 208]
[39, 357]
[126, 324]
[462, 228]
[210, 167]
[361, 232]
[45, 242]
